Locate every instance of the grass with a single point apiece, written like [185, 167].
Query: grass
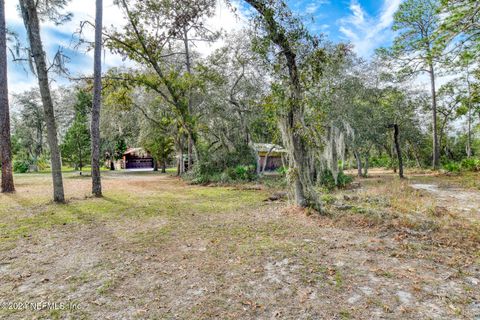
[387, 201]
[156, 247]
[22, 213]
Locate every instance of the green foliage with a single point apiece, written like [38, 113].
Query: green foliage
[328, 198]
[467, 164]
[451, 167]
[21, 166]
[245, 173]
[224, 167]
[327, 180]
[380, 162]
[157, 140]
[470, 164]
[76, 144]
[42, 163]
[203, 174]
[282, 171]
[120, 148]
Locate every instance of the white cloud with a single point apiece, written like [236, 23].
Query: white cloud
[312, 7]
[60, 36]
[224, 19]
[365, 32]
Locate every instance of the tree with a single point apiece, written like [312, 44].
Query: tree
[300, 60]
[416, 23]
[32, 25]
[460, 27]
[30, 126]
[154, 42]
[5, 142]
[76, 143]
[397, 110]
[97, 102]
[237, 117]
[157, 140]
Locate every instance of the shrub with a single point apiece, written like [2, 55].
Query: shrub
[203, 174]
[21, 166]
[452, 167]
[328, 199]
[223, 166]
[327, 180]
[200, 174]
[343, 180]
[381, 162]
[470, 164]
[282, 171]
[42, 164]
[245, 173]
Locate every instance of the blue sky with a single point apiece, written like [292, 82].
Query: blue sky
[364, 23]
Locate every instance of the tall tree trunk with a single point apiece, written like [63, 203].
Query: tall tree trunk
[334, 169]
[365, 168]
[189, 70]
[164, 166]
[440, 135]
[32, 25]
[359, 163]
[181, 162]
[436, 151]
[399, 151]
[292, 121]
[97, 102]
[392, 156]
[5, 143]
[469, 115]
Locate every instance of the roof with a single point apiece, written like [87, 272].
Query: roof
[136, 151]
[266, 147]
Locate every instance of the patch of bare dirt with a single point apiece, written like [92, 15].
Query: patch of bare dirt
[460, 200]
[261, 263]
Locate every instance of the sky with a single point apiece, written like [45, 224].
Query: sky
[366, 24]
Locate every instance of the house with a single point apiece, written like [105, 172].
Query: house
[137, 158]
[272, 154]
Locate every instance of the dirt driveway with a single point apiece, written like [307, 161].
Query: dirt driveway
[454, 198]
[156, 248]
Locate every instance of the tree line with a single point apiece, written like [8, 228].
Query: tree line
[273, 82]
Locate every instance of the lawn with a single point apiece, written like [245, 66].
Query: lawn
[155, 247]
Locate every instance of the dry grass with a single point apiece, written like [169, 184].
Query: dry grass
[390, 203]
[157, 248]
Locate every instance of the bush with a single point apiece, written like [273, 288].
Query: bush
[21, 166]
[470, 164]
[327, 180]
[343, 180]
[282, 171]
[43, 164]
[245, 173]
[381, 162]
[203, 174]
[452, 167]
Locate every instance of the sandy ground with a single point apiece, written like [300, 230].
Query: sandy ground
[466, 201]
[200, 260]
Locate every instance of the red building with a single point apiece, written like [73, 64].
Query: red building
[137, 158]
